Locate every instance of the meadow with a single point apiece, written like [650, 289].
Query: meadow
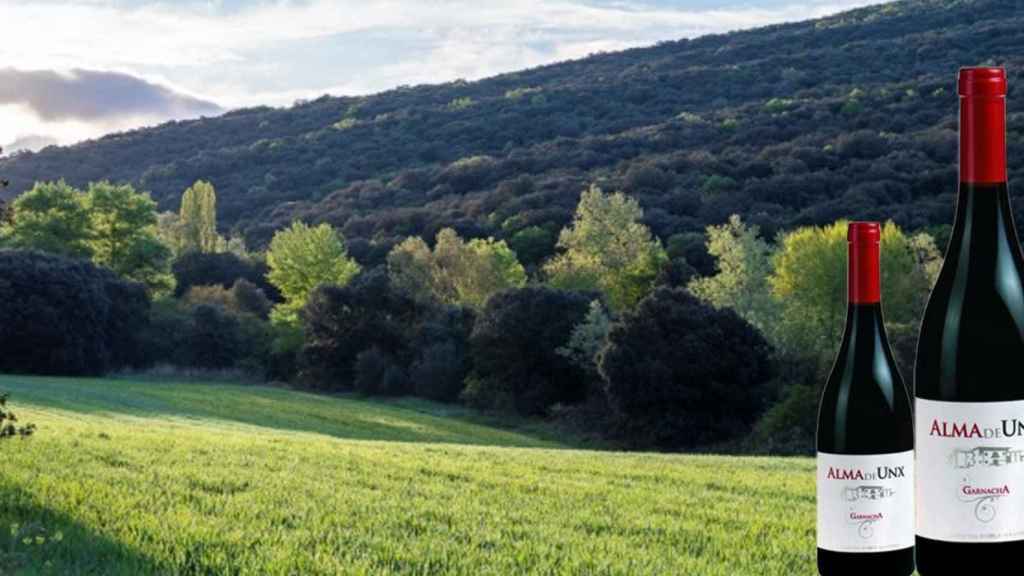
[142, 477]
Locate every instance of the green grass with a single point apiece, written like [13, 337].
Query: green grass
[158, 478]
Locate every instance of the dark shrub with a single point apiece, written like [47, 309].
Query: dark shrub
[221, 269]
[514, 346]
[165, 339]
[394, 382]
[242, 298]
[443, 362]
[439, 372]
[370, 367]
[285, 347]
[250, 298]
[788, 427]
[66, 317]
[341, 322]
[214, 338]
[208, 337]
[683, 374]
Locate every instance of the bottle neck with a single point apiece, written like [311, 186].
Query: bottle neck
[983, 217]
[863, 283]
[983, 139]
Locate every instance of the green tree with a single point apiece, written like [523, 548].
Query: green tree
[455, 272]
[52, 217]
[608, 249]
[809, 282]
[588, 339]
[743, 263]
[197, 219]
[300, 259]
[124, 234]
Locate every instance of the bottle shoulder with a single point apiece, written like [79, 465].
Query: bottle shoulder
[865, 409]
[972, 332]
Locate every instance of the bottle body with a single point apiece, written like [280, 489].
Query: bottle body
[969, 409]
[865, 442]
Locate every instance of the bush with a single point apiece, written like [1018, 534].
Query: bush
[242, 298]
[683, 374]
[214, 339]
[208, 337]
[440, 368]
[370, 367]
[282, 361]
[514, 348]
[222, 269]
[250, 298]
[66, 317]
[788, 427]
[341, 322]
[8, 421]
[439, 372]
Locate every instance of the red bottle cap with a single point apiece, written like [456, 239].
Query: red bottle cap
[983, 125]
[982, 81]
[864, 276]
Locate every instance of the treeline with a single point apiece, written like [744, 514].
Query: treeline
[616, 335]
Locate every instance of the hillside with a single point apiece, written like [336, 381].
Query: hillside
[162, 478]
[851, 115]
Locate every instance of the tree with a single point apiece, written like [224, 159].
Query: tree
[607, 249]
[123, 234]
[681, 373]
[514, 346]
[52, 217]
[222, 269]
[302, 258]
[588, 340]
[197, 220]
[456, 273]
[809, 282]
[340, 322]
[442, 359]
[66, 316]
[741, 281]
[533, 244]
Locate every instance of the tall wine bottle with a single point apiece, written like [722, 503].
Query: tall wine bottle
[968, 400]
[865, 436]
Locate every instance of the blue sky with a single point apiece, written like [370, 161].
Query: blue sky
[76, 69]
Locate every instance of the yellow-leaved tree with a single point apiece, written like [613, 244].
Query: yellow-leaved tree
[608, 249]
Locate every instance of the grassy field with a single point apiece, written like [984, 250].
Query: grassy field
[159, 478]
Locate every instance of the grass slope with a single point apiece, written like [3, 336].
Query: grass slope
[147, 478]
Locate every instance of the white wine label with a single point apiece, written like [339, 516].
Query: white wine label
[866, 503]
[970, 462]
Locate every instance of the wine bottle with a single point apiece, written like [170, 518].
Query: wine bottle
[969, 406]
[865, 436]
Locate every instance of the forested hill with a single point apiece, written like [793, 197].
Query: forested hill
[847, 116]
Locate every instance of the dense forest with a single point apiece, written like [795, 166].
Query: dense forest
[847, 116]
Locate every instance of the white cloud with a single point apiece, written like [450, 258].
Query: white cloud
[273, 52]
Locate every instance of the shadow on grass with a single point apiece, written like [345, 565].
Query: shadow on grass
[80, 550]
[341, 417]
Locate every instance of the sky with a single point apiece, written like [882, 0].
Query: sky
[77, 69]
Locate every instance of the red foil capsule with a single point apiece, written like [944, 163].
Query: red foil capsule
[982, 125]
[864, 275]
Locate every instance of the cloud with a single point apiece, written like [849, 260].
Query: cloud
[175, 58]
[31, 142]
[93, 95]
[270, 49]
